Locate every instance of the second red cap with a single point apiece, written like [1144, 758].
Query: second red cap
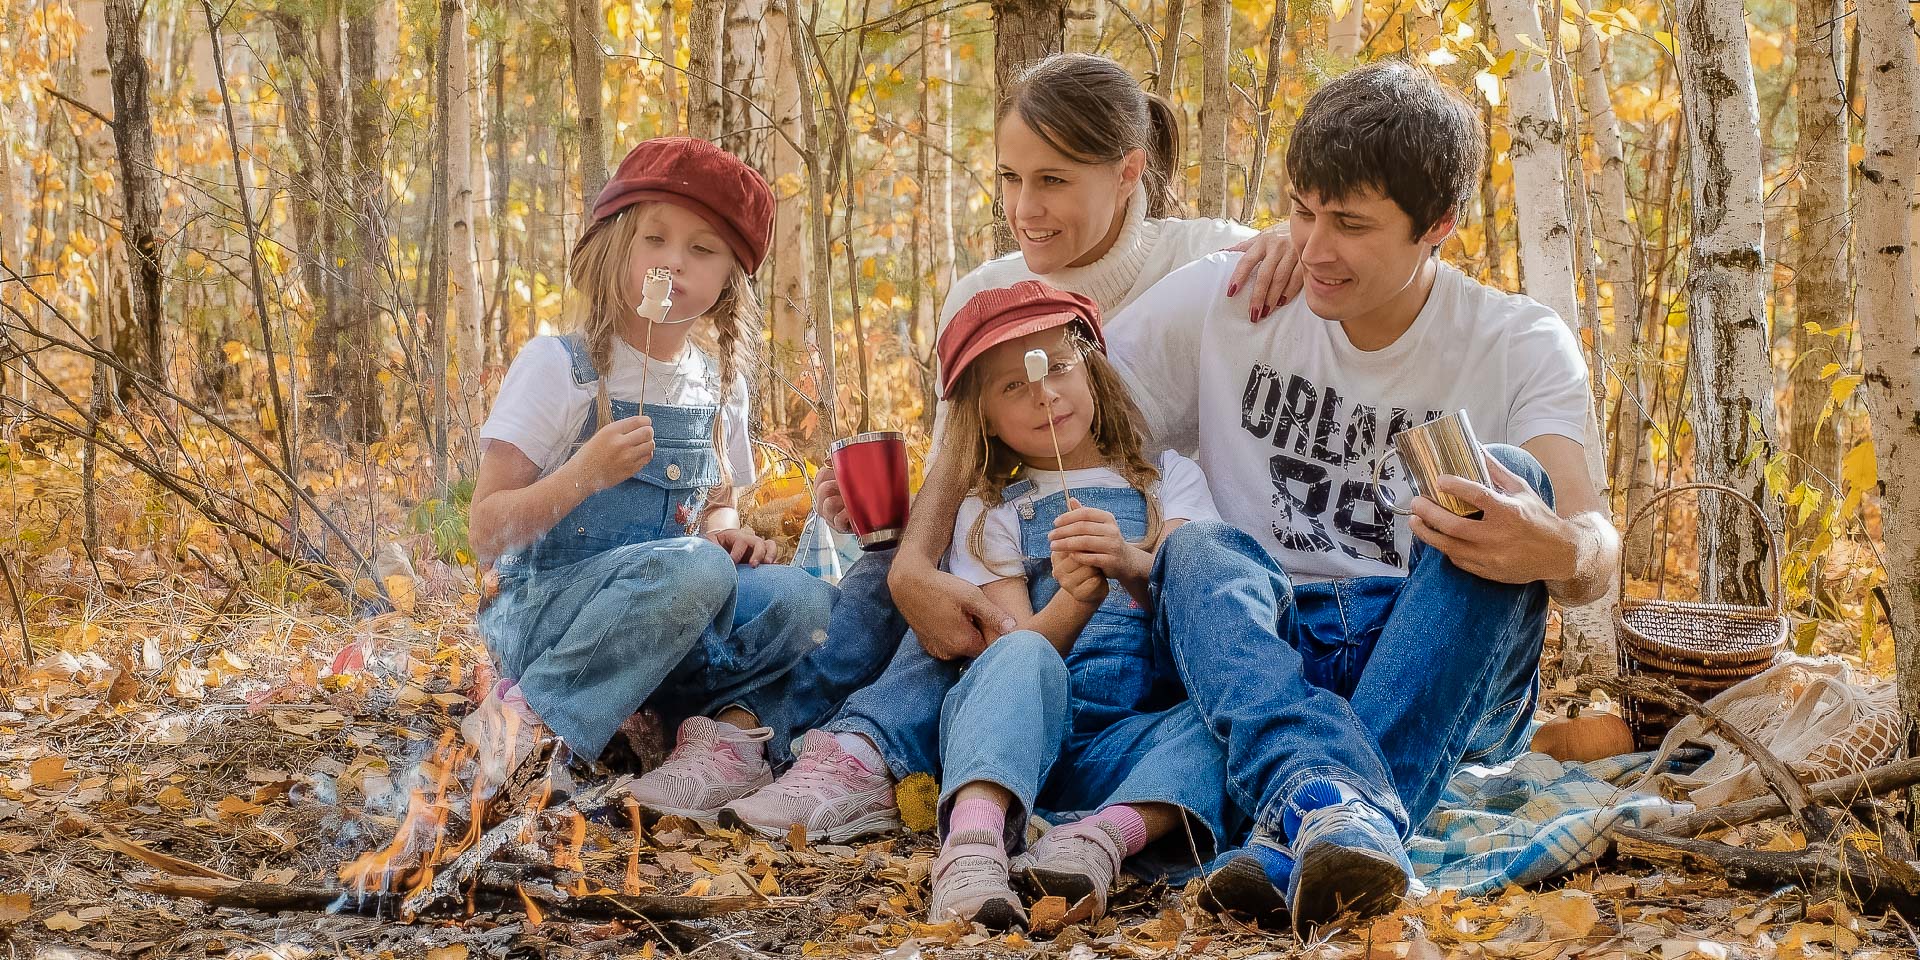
[992, 317]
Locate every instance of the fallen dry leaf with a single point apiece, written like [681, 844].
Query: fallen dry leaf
[15, 907]
[47, 771]
[64, 922]
[1569, 914]
[454, 951]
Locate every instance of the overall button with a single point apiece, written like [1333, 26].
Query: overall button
[673, 471]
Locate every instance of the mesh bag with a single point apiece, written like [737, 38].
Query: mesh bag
[1815, 715]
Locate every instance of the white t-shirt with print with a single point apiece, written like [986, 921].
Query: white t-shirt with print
[541, 408]
[1287, 416]
[1181, 489]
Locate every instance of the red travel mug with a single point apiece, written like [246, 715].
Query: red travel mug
[872, 471]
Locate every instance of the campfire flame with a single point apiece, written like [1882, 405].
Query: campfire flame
[631, 885]
[419, 845]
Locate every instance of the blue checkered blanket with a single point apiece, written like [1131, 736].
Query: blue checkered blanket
[1531, 820]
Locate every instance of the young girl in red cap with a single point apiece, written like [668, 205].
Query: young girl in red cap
[606, 499]
[1072, 711]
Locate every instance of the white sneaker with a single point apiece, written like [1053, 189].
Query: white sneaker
[832, 794]
[712, 765]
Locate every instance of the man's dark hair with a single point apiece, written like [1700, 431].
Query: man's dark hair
[1394, 128]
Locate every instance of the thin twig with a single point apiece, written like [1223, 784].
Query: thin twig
[19, 610]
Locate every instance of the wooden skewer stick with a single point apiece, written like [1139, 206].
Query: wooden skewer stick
[1036, 360]
[656, 298]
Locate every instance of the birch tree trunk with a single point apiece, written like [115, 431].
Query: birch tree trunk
[1547, 261]
[1622, 264]
[1348, 29]
[144, 349]
[706, 78]
[358, 349]
[670, 77]
[583, 32]
[1169, 50]
[13, 245]
[786, 270]
[742, 132]
[819, 304]
[1024, 31]
[1216, 105]
[1889, 328]
[1263, 133]
[439, 246]
[1822, 280]
[108, 306]
[463, 249]
[1729, 366]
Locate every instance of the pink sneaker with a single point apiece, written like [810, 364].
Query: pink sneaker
[503, 731]
[828, 791]
[711, 765]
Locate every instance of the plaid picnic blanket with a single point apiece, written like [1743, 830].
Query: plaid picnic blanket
[1530, 820]
[824, 553]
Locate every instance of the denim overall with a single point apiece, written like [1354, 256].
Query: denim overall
[1106, 724]
[617, 606]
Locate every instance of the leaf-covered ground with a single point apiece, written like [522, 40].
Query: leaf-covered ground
[177, 723]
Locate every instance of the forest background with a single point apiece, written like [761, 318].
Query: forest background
[263, 264]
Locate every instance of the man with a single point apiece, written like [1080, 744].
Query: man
[1347, 661]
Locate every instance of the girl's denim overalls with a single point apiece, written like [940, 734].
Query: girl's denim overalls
[1108, 723]
[617, 606]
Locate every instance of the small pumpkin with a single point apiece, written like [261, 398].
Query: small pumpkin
[1579, 737]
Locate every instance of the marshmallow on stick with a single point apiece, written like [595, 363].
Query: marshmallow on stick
[656, 298]
[1036, 372]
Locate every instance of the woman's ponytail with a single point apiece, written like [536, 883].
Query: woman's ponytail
[1163, 156]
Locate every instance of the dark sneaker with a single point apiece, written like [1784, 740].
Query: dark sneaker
[1251, 880]
[1348, 855]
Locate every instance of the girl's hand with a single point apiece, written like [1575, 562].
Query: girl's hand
[743, 545]
[614, 453]
[1079, 581]
[1272, 263]
[1092, 537]
[829, 504]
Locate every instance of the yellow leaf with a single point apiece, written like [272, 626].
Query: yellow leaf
[1571, 9]
[173, 798]
[916, 797]
[1570, 914]
[48, 770]
[1339, 9]
[64, 922]
[1831, 368]
[1843, 387]
[236, 351]
[456, 951]
[1858, 473]
[400, 591]
[768, 886]
[14, 907]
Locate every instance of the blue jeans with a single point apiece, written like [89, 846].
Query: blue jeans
[863, 632]
[669, 623]
[1383, 683]
[1009, 722]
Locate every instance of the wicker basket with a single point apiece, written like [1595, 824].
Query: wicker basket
[1701, 648]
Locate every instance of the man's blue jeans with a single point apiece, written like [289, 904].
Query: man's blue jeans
[1385, 684]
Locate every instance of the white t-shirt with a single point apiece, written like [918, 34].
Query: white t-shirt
[541, 408]
[1181, 489]
[1287, 416]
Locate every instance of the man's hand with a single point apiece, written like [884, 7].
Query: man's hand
[952, 618]
[1518, 539]
[744, 546]
[829, 504]
[1084, 583]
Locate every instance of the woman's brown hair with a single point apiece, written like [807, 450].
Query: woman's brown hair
[1091, 109]
[993, 465]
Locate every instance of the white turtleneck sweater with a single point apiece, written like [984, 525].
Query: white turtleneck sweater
[1146, 250]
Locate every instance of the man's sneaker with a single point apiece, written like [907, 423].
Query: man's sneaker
[831, 794]
[1349, 855]
[1075, 861]
[1251, 880]
[970, 883]
[503, 731]
[712, 765]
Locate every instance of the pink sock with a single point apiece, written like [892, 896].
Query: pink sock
[978, 813]
[1132, 827]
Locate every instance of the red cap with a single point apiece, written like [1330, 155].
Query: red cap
[995, 316]
[731, 196]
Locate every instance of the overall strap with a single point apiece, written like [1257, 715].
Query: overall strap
[583, 374]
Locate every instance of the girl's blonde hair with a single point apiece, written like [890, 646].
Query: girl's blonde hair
[993, 465]
[599, 271]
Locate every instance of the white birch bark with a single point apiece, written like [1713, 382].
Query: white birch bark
[1729, 366]
[1538, 153]
[787, 269]
[741, 65]
[1622, 264]
[1889, 328]
[1169, 50]
[463, 251]
[1216, 106]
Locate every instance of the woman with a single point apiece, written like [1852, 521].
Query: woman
[1085, 163]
